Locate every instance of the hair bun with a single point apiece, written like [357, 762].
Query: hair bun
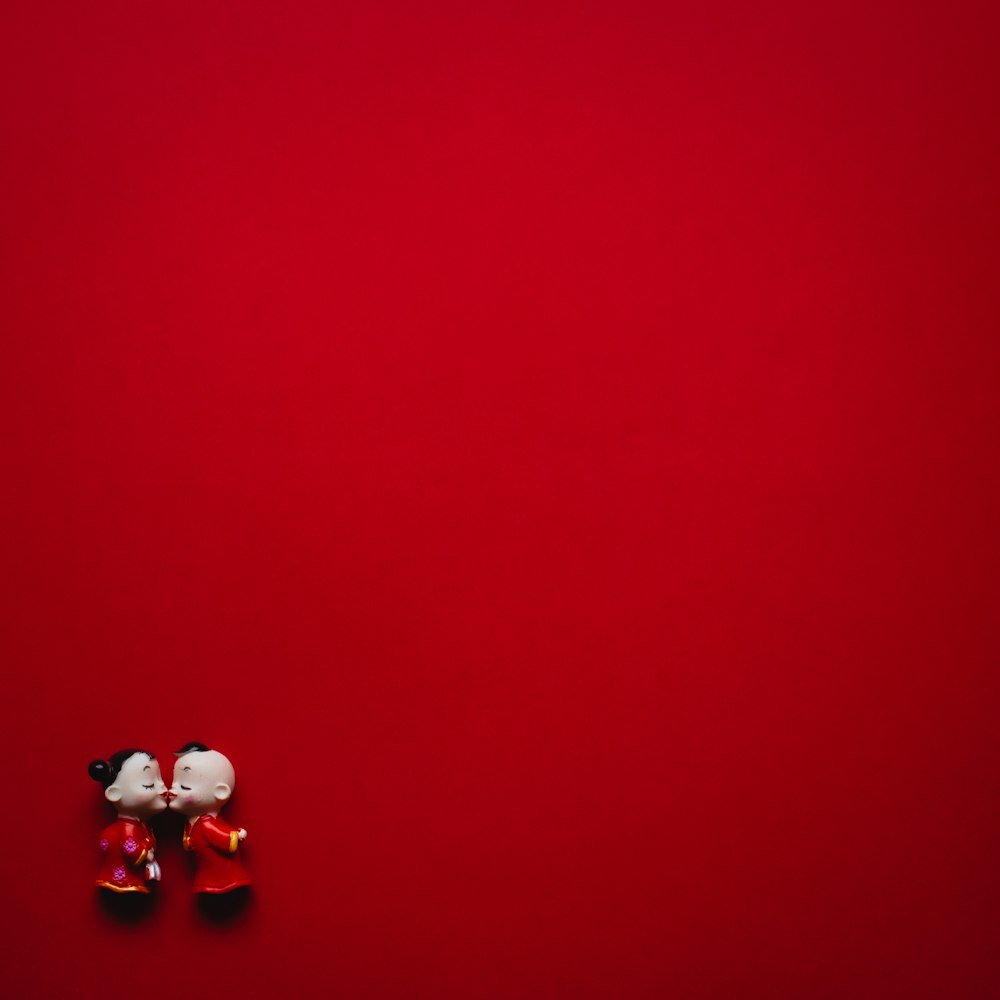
[99, 770]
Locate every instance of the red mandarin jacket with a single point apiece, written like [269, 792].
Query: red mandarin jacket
[215, 844]
[125, 845]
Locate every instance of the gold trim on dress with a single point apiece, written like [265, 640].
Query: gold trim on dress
[234, 840]
[120, 888]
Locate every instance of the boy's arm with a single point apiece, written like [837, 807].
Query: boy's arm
[220, 835]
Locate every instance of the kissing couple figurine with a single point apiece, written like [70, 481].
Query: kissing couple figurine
[203, 782]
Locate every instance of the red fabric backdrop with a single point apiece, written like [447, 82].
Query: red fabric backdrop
[551, 447]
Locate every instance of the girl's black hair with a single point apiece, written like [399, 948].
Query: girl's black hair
[105, 771]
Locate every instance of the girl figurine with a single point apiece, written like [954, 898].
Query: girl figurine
[132, 784]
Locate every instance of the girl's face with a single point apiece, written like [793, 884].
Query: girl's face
[138, 790]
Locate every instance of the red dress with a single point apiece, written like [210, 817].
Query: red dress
[215, 844]
[125, 845]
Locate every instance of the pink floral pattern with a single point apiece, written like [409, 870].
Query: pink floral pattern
[119, 873]
[129, 846]
[103, 844]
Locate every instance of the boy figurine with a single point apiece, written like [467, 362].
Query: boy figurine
[203, 782]
[132, 784]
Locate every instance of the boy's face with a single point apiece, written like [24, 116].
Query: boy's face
[203, 782]
[138, 789]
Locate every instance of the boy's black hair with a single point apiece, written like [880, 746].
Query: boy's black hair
[105, 771]
[191, 747]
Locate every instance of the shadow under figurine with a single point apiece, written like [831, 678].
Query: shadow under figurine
[133, 785]
[203, 783]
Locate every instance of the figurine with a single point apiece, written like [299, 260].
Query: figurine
[133, 785]
[203, 783]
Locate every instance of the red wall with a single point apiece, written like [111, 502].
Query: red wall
[551, 448]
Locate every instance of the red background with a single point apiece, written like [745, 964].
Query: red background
[551, 448]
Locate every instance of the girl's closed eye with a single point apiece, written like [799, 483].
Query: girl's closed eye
[147, 786]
